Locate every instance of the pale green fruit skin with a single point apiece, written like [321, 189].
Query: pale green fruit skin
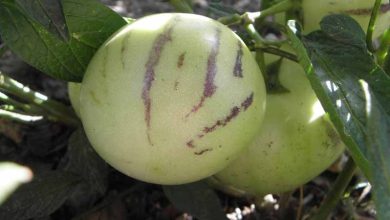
[315, 10]
[181, 52]
[292, 148]
[74, 96]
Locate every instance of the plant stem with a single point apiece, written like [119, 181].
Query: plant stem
[371, 25]
[14, 116]
[231, 19]
[279, 52]
[56, 110]
[386, 64]
[282, 6]
[26, 108]
[382, 53]
[251, 17]
[257, 38]
[336, 192]
[181, 6]
[295, 12]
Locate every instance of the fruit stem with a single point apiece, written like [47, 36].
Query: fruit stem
[181, 6]
[52, 109]
[371, 25]
[336, 191]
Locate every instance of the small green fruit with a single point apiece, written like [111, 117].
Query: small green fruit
[172, 98]
[315, 10]
[74, 96]
[296, 143]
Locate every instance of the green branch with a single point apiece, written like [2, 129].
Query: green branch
[336, 192]
[256, 37]
[278, 52]
[25, 108]
[282, 6]
[181, 6]
[382, 52]
[6, 113]
[52, 109]
[371, 25]
[251, 17]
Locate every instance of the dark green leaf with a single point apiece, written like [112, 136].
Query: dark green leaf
[197, 199]
[84, 161]
[268, 3]
[349, 58]
[217, 8]
[378, 145]
[273, 84]
[3, 49]
[183, 6]
[334, 100]
[337, 70]
[48, 13]
[89, 24]
[39, 198]
[341, 29]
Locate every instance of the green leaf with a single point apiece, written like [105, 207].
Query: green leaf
[183, 6]
[273, 84]
[3, 49]
[48, 13]
[341, 29]
[89, 24]
[219, 9]
[197, 199]
[41, 197]
[268, 3]
[84, 161]
[378, 144]
[337, 66]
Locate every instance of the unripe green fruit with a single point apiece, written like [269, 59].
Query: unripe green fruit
[172, 98]
[74, 96]
[360, 10]
[296, 143]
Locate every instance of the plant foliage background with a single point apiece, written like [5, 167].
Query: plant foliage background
[71, 182]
